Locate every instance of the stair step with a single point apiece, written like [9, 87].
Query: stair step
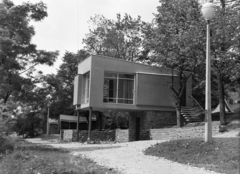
[192, 114]
[198, 112]
[191, 110]
[193, 121]
[192, 118]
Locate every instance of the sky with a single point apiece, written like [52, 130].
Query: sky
[67, 22]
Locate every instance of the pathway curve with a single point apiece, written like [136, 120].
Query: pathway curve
[128, 158]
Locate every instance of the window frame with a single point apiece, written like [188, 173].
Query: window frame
[116, 75]
[86, 91]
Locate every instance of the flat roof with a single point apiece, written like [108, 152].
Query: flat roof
[71, 118]
[152, 66]
[107, 57]
[156, 74]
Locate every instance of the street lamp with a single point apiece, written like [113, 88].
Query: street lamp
[48, 126]
[208, 10]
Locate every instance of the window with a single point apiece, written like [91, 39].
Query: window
[86, 87]
[118, 88]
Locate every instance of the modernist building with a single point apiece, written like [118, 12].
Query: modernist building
[105, 83]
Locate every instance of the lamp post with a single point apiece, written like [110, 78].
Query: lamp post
[78, 119]
[208, 10]
[48, 119]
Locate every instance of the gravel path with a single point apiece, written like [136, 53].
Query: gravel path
[128, 158]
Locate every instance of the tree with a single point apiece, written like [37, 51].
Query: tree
[7, 112]
[120, 38]
[60, 86]
[175, 41]
[17, 54]
[225, 48]
[29, 124]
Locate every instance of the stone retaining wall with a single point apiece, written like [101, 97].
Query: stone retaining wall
[182, 133]
[152, 125]
[67, 135]
[140, 123]
[132, 126]
[122, 135]
[157, 119]
[107, 135]
[118, 135]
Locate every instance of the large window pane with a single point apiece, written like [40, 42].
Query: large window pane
[110, 90]
[87, 85]
[118, 88]
[125, 89]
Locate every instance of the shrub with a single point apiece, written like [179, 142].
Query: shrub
[6, 145]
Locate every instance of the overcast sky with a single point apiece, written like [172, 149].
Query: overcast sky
[67, 21]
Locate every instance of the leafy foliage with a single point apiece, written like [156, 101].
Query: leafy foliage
[60, 86]
[17, 54]
[176, 39]
[29, 124]
[120, 38]
[8, 111]
[225, 48]
[115, 119]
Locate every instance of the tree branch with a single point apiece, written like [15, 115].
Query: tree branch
[28, 69]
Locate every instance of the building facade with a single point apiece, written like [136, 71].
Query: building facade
[105, 83]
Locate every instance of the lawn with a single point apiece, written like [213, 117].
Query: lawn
[29, 158]
[221, 155]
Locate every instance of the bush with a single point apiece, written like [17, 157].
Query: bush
[6, 145]
[29, 124]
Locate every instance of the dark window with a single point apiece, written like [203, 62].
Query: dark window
[118, 88]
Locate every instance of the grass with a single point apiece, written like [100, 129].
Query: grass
[221, 155]
[41, 159]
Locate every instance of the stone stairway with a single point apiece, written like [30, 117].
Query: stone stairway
[192, 114]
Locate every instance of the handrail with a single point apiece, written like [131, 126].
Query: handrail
[197, 102]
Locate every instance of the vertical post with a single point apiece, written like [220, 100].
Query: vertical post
[60, 129]
[89, 124]
[48, 121]
[77, 125]
[100, 121]
[208, 116]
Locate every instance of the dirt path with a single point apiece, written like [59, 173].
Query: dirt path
[128, 158]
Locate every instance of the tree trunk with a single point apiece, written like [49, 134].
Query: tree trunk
[179, 119]
[178, 112]
[6, 97]
[221, 101]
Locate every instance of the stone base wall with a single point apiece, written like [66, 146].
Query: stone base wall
[150, 125]
[67, 135]
[132, 126]
[140, 123]
[118, 135]
[107, 135]
[122, 135]
[155, 120]
[182, 133]
[158, 119]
